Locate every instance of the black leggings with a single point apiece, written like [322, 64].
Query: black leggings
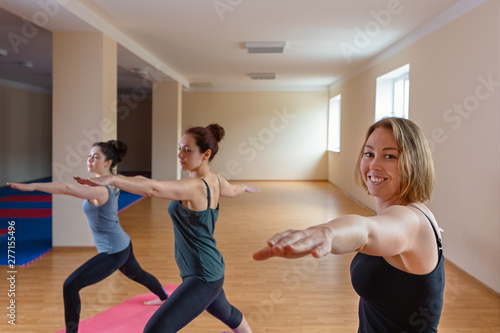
[189, 300]
[97, 269]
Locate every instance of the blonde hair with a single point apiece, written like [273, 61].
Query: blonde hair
[416, 167]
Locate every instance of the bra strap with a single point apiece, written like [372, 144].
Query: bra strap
[438, 239]
[219, 189]
[208, 193]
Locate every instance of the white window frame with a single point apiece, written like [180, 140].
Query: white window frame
[390, 100]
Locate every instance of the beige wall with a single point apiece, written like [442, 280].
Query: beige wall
[25, 135]
[269, 135]
[449, 71]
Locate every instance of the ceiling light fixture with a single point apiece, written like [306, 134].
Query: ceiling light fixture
[141, 71]
[265, 47]
[262, 76]
[3, 52]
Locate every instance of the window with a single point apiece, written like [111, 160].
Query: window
[334, 124]
[392, 96]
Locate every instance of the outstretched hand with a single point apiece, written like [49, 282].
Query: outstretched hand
[22, 187]
[293, 244]
[252, 189]
[96, 181]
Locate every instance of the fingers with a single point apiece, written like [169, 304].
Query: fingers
[20, 187]
[80, 180]
[291, 239]
[85, 181]
[292, 244]
[264, 254]
[296, 244]
[278, 237]
[321, 251]
[252, 189]
[273, 250]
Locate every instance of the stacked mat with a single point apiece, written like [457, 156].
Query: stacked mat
[30, 214]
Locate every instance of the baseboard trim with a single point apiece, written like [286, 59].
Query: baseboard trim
[472, 279]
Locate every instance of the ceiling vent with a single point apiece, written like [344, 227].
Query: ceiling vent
[262, 76]
[265, 47]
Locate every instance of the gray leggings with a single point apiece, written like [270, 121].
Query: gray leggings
[188, 301]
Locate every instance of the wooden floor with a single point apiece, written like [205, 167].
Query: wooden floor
[292, 296]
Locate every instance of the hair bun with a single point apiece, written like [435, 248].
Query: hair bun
[217, 131]
[121, 149]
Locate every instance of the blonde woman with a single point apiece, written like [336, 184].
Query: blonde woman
[398, 270]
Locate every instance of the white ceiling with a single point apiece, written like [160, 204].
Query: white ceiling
[203, 41]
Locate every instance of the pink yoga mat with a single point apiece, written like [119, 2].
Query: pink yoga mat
[128, 317]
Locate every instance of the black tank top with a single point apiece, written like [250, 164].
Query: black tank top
[392, 300]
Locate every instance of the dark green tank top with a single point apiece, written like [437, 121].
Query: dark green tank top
[196, 251]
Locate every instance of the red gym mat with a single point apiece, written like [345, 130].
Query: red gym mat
[128, 317]
[13, 213]
[26, 198]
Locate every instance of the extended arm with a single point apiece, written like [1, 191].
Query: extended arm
[390, 233]
[232, 190]
[79, 191]
[171, 190]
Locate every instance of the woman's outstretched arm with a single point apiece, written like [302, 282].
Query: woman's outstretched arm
[79, 191]
[395, 231]
[172, 190]
[232, 190]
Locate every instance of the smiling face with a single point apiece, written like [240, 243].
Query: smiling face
[96, 162]
[189, 154]
[379, 166]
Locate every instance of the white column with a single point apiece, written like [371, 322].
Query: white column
[167, 122]
[84, 112]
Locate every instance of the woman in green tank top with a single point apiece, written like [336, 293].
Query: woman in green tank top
[194, 210]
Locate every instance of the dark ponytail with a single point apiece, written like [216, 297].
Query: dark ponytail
[207, 137]
[113, 150]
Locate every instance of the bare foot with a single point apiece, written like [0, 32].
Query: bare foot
[154, 302]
